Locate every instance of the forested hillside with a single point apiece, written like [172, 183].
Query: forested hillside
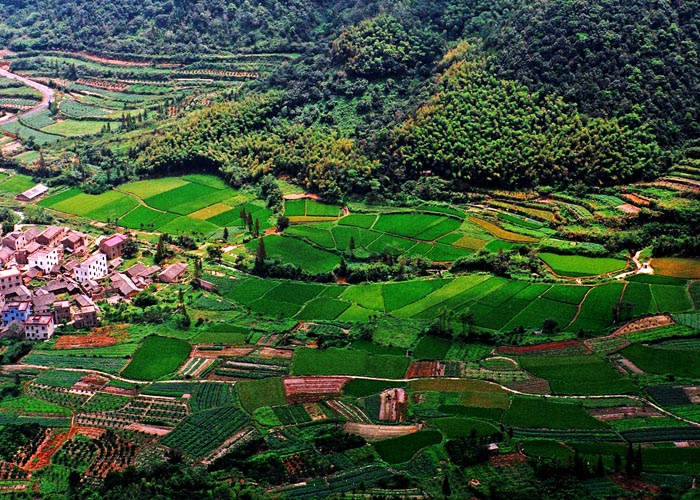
[602, 92]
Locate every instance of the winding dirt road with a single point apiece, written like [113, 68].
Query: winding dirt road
[46, 92]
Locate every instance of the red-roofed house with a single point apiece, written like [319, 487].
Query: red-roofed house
[112, 247]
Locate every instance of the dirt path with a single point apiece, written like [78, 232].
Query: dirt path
[46, 92]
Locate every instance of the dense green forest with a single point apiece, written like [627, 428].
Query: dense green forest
[507, 93]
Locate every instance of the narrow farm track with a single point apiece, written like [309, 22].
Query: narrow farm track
[46, 92]
[578, 309]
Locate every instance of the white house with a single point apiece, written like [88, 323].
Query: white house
[45, 258]
[10, 278]
[39, 327]
[92, 268]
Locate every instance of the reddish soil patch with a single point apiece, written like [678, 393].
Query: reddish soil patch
[636, 199]
[48, 448]
[113, 454]
[635, 484]
[99, 337]
[104, 84]
[90, 383]
[507, 460]
[628, 366]
[119, 391]
[552, 347]
[647, 323]
[620, 412]
[629, 209]
[234, 352]
[150, 429]
[270, 352]
[420, 369]
[309, 389]
[91, 432]
[533, 385]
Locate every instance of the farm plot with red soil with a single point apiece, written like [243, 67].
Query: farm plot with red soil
[48, 447]
[211, 351]
[99, 337]
[531, 385]
[90, 383]
[648, 323]
[564, 347]
[271, 352]
[311, 389]
[620, 412]
[422, 369]
[507, 460]
[373, 432]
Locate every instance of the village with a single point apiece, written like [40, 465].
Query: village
[54, 276]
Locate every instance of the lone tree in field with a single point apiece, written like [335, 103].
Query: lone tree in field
[260, 256]
[225, 235]
[214, 252]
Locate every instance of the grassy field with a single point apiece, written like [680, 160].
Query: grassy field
[681, 363]
[579, 265]
[577, 374]
[157, 357]
[334, 361]
[258, 393]
[453, 427]
[547, 414]
[432, 348]
[402, 449]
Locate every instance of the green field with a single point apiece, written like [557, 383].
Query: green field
[681, 363]
[402, 449]
[334, 361]
[547, 414]
[578, 374]
[157, 357]
[258, 393]
[579, 265]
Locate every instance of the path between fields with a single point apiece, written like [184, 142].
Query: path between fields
[46, 93]
[380, 379]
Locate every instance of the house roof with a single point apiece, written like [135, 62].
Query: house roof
[113, 241]
[173, 272]
[150, 271]
[31, 234]
[9, 273]
[135, 270]
[39, 319]
[51, 232]
[32, 193]
[84, 300]
[43, 300]
[93, 258]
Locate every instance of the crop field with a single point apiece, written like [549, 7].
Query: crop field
[49, 359]
[343, 362]
[299, 253]
[501, 233]
[76, 128]
[547, 414]
[255, 394]
[402, 449]
[432, 348]
[597, 311]
[579, 265]
[157, 356]
[682, 363]
[547, 449]
[578, 374]
[24, 132]
[453, 427]
[201, 433]
[677, 267]
[671, 299]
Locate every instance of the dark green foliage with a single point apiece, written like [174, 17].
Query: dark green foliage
[13, 437]
[632, 59]
[380, 47]
[479, 130]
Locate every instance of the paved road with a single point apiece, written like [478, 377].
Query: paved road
[46, 92]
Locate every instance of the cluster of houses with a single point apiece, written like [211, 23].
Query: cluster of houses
[50, 277]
